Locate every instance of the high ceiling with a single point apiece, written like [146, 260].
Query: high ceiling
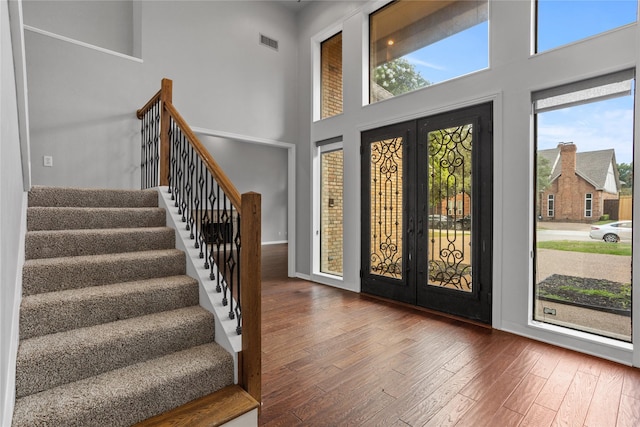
[294, 5]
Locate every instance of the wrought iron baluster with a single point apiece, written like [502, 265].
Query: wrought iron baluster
[237, 243]
[200, 207]
[190, 190]
[156, 143]
[173, 161]
[218, 242]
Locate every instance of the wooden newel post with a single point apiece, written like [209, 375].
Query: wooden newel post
[166, 95]
[250, 359]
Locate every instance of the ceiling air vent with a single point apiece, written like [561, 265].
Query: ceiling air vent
[269, 42]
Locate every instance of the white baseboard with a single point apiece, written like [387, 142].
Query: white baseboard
[275, 242]
[303, 276]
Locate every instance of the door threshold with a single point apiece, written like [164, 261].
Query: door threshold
[427, 310]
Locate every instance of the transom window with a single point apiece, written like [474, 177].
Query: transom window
[414, 44]
[588, 18]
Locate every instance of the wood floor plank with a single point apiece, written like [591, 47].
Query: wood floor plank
[554, 390]
[333, 357]
[546, 364]
[575, 405]
[506, 417]
[414, 395]
[521, 366]
[629, 412]
[451, 413]
[631, 385]
[603, 410]
[484, 411]
[525, 394]
[538, 416]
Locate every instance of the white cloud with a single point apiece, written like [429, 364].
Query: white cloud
[425, 63]
[591, 127]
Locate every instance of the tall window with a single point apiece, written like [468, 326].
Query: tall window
[417, 43]
[331, 76]
[588, 18]
[584, 138]
[331, 203]
[588, 201]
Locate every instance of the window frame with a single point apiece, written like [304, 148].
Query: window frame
[535, 31]
[367, 86]
[322, 147]
[588, 205]
[551, 205]
[322, 81]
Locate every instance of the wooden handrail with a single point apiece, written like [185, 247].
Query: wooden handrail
[248, 205]
[141, 112]
[221, 178]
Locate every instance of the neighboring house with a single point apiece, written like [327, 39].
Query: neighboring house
[579, 183]
[458, 205]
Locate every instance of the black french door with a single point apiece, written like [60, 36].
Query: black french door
[427, 212]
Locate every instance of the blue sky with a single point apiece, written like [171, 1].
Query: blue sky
[595, 126]
[599, 125]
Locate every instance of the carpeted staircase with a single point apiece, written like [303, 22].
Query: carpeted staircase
[111, 332]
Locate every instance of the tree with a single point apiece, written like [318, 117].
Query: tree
[399, 76]
[543, 180]
[625, 172]
[450, 163]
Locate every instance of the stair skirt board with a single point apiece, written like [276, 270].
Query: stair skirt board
[111, 328]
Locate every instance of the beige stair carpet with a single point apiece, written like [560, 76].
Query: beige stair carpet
[110, 327]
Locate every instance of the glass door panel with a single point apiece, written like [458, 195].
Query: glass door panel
[450, 205]
[386, 208]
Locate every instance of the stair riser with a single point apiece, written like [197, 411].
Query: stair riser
[44, 362]
[129, 395]
[54, 312]
[51, 244]
[89, 197]
[42, 218]
[80, 272]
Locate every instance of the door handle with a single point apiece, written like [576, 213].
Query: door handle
[420, 227]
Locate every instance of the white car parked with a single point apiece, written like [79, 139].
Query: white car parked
[612, 232]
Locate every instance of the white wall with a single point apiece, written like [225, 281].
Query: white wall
[11, 219]
[105, 23]
[83, 101]
[268, 177]
[512, 76]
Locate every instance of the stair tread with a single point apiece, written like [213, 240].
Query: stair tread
[89, 231]
[131, 394]
[50, 360]
[61, 243]
[212, 410]
[52, 312]
[100, 257]
[64, 196]
[54, 274]
[77, 218]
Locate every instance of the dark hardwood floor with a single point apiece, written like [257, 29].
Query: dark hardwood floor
[336, 358]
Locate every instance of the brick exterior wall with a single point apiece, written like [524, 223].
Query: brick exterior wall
[569, 191]
[331, 213]
[331, 76]
[459, 201]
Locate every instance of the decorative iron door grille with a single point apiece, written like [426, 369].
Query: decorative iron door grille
[427, 212]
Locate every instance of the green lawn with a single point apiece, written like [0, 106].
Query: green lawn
[588, 247]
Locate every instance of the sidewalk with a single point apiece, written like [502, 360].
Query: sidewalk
[571, 226]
